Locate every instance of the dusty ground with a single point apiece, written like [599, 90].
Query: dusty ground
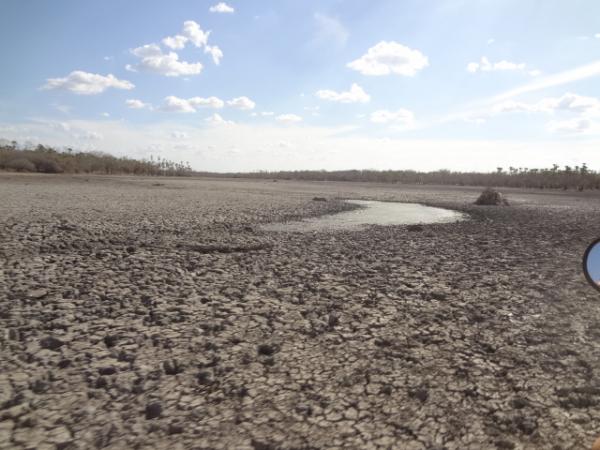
[136, 315]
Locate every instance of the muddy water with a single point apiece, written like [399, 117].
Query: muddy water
[372, 213]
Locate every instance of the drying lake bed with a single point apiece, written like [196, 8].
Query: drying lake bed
[160, 313]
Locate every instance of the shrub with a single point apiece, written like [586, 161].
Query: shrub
[20, 165]
[47, 165]
[491, 197]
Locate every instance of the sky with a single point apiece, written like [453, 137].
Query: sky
[248, 85]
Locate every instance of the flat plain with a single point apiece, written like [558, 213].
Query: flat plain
[156, 313]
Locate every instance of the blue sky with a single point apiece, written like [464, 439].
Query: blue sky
[593, 263]
[457, 84]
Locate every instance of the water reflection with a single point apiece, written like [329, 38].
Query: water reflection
[372, 213]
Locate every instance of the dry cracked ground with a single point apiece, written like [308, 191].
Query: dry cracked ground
[144, 313]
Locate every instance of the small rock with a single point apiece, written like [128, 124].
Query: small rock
[414, 227]
[51, 343]
[172, 367]
[319, 199]
[266, 349]
[101, 383]
[175, 428]
[110, 340]
[420, 394]
[153, 410]
[108, 370]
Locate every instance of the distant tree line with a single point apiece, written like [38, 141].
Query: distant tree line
[567, 177]
[49, 160]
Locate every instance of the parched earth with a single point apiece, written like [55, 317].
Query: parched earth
[140, 313]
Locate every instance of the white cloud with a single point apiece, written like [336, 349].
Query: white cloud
[105, 114]
[194, 33]
[85, 83]
[568, 102]
[221, 7]
[136, 104]
[572, 126]
[243, 103]
[179, 135]
[215, 52]
[288, 119]
[356, 94]
[210, 102]
[535, 73]
[597, 35]
[176, 104]
[152, 59]
[402, 118]
[390, 58]
[216, 119]
[314, 147]
[330, 30]
[490, 41]
[486, 66]
[175, 42]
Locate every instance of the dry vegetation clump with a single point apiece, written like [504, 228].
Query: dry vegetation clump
[491, 197]
[49, 160]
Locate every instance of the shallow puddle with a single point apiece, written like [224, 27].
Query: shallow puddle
[372, 213]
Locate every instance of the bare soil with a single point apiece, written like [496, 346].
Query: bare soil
[144, 313]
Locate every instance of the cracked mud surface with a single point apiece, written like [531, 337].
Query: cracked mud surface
[143, 316]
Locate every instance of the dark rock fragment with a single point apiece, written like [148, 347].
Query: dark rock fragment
[266, 349]
[172, 367]
[101, 383]
[51, 343]
[420, 394]
[319, 199]
[153, 410]
[110, 340]
[108, 370]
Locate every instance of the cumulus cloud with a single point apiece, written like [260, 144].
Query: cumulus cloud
[152, 59]
[356, 94]
[597, 35]
[210, 102]
[176, 104]
[85, 83]
[215, 52]
[390, 58]
[175, 42]
[486, 66]
[195, 34]
[222, 8]
[136, 104]
[216, 119]
[402, 118]
[288, 119]
[243, 103]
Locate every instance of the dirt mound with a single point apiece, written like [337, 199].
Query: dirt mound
[491, 197]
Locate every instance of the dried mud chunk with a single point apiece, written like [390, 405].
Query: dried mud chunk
[153, 410]
[51, 343]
